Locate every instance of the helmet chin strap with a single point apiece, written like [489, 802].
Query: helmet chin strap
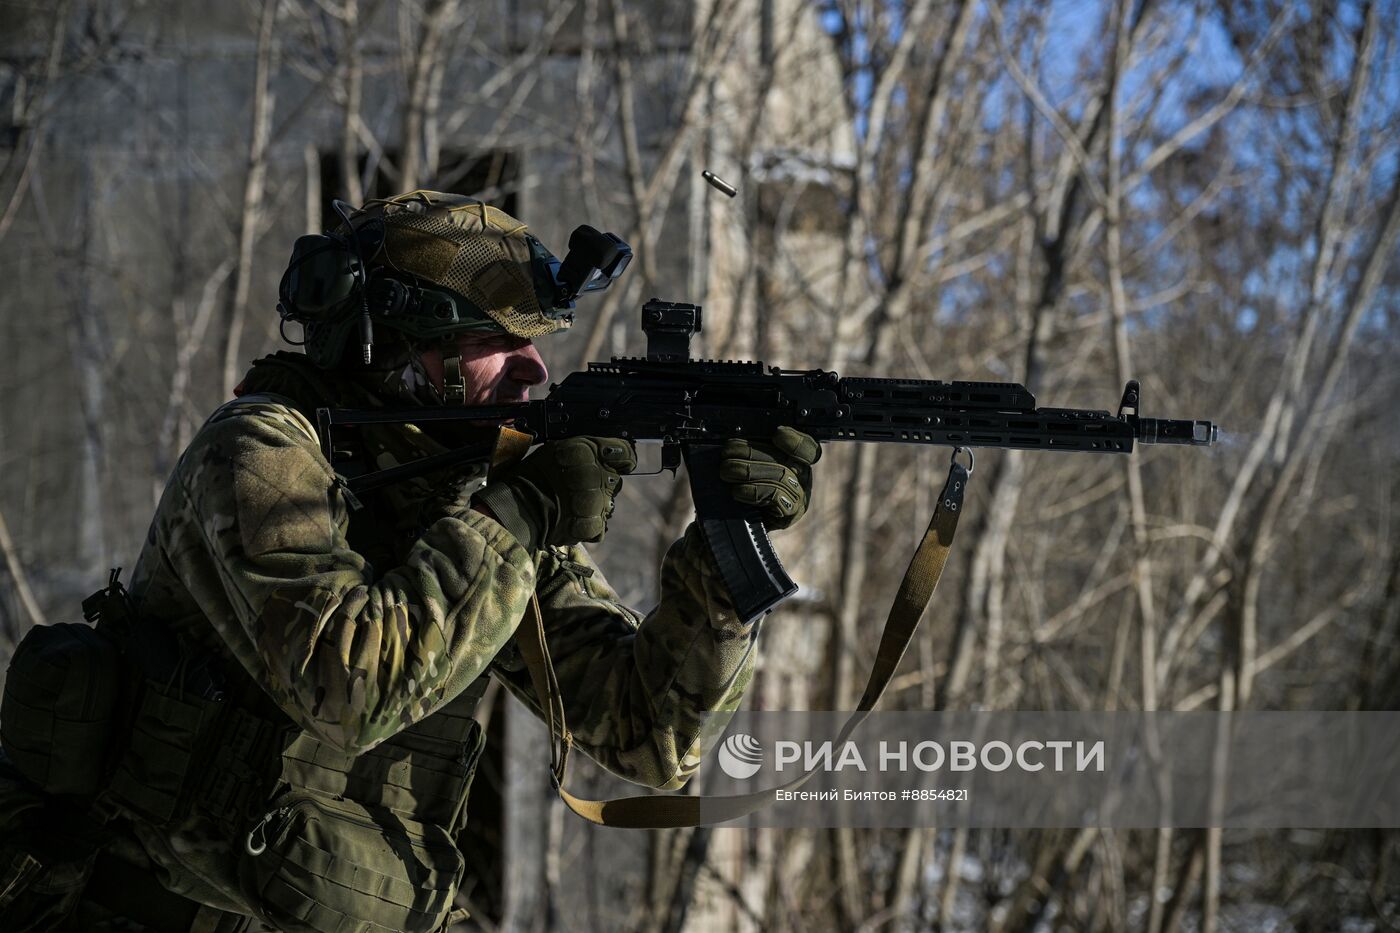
[416, 385]
[454, 385]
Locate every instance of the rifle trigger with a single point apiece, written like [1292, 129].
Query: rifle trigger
[670, 457]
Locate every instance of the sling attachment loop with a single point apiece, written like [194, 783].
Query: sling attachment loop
[971, 460]
[663, 811]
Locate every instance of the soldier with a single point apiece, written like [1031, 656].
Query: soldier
[302, 744]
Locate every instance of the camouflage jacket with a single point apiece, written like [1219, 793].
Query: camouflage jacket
[360, 622]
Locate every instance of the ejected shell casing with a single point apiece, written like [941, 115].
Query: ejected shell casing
[719, 184]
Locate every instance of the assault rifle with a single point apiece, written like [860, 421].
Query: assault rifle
[693, 406]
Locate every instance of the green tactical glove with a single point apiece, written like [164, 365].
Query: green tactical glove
[562, 493]
[776, 476]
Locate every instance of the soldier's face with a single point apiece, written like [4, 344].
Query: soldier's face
[495, 367]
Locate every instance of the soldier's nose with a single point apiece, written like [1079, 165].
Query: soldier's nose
[527, 366]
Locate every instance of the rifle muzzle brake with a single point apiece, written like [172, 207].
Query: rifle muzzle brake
[1169, 431]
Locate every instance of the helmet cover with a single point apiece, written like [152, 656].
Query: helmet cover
[478, 252]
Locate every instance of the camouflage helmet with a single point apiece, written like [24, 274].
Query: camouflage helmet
[435, 265]
[475, 250]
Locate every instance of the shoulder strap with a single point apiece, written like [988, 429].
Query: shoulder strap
[663, 811]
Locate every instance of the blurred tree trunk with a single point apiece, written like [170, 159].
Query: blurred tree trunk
[29, 105]
[20, 579]
[419, 135]
[250, 216]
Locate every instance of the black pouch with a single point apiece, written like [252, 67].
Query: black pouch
[167, 736]
[177, 704]
[316, 864]
[63, 697]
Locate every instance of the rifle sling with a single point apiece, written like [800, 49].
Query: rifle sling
[671, 811]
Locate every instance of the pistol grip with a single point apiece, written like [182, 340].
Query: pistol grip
[737, 538]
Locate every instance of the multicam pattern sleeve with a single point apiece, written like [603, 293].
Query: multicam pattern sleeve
[353, 656]
[644, 697]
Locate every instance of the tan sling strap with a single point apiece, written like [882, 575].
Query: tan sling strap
[511, 446]
[663, 811]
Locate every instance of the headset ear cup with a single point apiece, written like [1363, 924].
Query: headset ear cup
[319, 290]
[321, 278]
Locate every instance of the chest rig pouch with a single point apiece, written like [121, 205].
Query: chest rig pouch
[325, 842]
[367, 843]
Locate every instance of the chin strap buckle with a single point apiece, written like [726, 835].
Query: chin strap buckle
[454, 387]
